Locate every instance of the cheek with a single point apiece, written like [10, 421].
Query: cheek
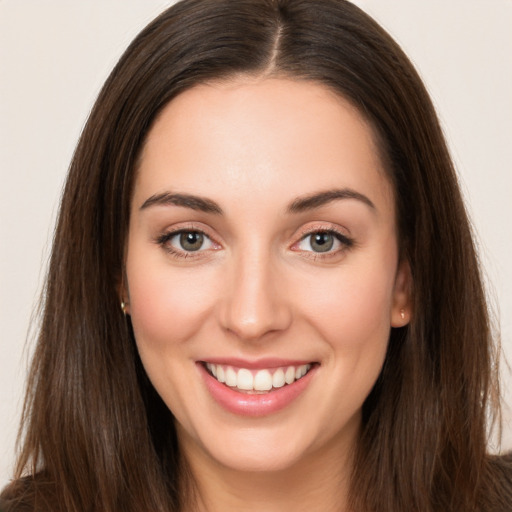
[167, 307]
[352, 316]
[353, 308]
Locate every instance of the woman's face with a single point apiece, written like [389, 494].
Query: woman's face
[262, 246]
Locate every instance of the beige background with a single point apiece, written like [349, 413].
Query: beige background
[54, 56]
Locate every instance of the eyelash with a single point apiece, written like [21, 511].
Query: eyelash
[345, 242]
[164, 239]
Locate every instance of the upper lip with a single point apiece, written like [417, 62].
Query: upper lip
[256, 364]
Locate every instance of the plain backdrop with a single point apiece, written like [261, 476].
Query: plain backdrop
[55, 55]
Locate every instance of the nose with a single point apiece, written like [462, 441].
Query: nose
[255, 303]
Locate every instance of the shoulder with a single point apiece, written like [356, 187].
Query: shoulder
[497, 492]
[12, 498]
[17, 497]
[501, 470]
[29, 494]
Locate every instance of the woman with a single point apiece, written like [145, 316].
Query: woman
[262, 280]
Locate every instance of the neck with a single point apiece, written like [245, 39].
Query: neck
[318, 482]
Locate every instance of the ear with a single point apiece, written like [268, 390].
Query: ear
[401, 310]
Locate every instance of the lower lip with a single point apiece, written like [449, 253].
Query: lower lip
[245, 404]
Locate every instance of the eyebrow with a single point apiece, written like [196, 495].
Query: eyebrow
[319, 199]
[186, 200]
[299, 205]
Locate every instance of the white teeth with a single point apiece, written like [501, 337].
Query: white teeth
[278, 379]
[289, 376]
[231, 379]
[245, 380]
[261, 380]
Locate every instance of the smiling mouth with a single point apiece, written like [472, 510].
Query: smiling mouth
[260, 381]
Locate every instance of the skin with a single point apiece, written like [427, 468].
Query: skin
[257, 288]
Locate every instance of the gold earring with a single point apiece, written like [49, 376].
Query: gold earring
[123, 307]
[402, 314]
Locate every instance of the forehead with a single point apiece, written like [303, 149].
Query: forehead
[275, 137]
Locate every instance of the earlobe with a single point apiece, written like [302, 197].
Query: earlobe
[125, 307]
[124, 296]
[402, 308]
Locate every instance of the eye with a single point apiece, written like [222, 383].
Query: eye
[323, 242]
[190, 240]
[185, 241]
[318, 242]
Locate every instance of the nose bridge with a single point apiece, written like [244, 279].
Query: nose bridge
[255, 304]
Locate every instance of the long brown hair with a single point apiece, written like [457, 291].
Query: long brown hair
[96, 436]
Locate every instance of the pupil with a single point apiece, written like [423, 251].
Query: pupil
[322, 242]
[191, 241]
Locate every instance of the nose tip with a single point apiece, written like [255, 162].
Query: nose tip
[255, 305]
[253, 322]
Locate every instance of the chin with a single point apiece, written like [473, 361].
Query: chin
[257, 458]
[269, 445]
